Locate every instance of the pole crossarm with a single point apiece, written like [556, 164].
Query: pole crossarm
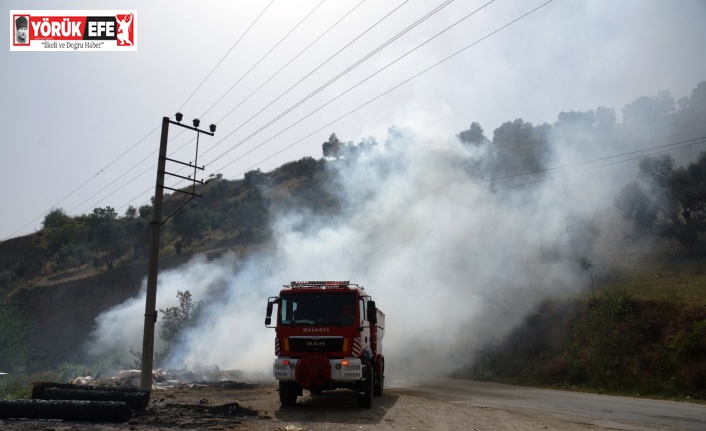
[182, 191]
[176, 123]
[191, 165]
[184, 178]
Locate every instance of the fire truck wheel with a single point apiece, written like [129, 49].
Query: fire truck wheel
[287, 393]
[365, 394]
[379, 383]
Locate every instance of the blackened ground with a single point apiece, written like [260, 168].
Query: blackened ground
[256, 407]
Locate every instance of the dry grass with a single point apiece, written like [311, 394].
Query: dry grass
[656, 270]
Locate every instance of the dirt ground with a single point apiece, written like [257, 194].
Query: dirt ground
[255, 406]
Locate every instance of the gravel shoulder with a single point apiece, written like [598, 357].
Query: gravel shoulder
[255, 406]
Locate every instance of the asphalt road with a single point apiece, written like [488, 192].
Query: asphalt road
[600, 410]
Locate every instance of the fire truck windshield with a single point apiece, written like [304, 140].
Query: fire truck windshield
[325, 308]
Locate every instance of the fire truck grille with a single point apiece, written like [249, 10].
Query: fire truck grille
[316, 344]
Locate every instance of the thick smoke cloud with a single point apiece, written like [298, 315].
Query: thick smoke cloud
[453, 264]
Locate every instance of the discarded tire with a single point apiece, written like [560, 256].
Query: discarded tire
[137, 399]
[96, 411]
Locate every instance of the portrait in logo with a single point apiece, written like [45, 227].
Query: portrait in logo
[21, 30]
[125, 29]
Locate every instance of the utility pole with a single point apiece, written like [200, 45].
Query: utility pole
[157, 222]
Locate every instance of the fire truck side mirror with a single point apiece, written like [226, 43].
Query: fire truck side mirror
[268, 318]
[372, 313]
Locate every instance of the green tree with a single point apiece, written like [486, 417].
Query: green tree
[666, 200]
[521, 146]
[177, 319]
[137, 232]
[351, 151]
[217, 191]
[649, 111]
[189, 224]
[131, 212]
[253, 178]
[688, 121]
[72, 256]
[308, 167]
[250, 214]
[61, 229]
[108, 238]
[474, 135]
[81, 255]
[64, 257]
[55, 218]
[145, 211]
[332, 147]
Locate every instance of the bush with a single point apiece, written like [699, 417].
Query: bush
[602, 343]
[175, 320]
[14, 329]
[15, 387]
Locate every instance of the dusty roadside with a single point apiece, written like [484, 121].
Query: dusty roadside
[255, 406]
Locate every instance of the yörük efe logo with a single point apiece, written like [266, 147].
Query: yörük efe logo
[73, 30]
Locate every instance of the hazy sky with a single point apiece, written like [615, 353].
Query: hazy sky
[69, 118]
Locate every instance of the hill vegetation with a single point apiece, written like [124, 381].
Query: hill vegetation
[640, 328]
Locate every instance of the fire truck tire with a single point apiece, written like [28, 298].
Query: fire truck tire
[287, 393]
[365, 394]
[379, 382]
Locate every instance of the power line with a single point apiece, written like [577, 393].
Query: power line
[701, 140]
[386, 92]
[595, 160]
[149, 169]
[306, 76]
[86, 182]
[290, 61]
[439, 7]
[326, 61]
[268, 80]
[226, 55]
[315, 69]
[263, 57]
[145, 137]
[397, 36]
[310, 95]
[442, 5]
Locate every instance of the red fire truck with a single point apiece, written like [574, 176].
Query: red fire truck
[328, 336]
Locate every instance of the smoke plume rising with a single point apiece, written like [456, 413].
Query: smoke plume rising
[452, 263]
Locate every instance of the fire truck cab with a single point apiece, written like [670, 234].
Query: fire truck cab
[328, 335]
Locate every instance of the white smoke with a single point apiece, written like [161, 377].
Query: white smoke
[452, 264]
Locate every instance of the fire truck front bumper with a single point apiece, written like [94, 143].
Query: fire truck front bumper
[346, 369]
